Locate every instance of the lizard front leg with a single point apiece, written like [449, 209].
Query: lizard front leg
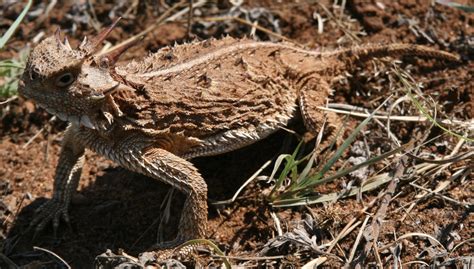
[143, 154]
[68, 173]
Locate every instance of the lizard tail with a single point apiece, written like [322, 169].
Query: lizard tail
[367, 52]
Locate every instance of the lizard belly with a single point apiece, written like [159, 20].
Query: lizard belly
[238, 138]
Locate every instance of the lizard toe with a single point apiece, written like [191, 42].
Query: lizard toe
[52, 211]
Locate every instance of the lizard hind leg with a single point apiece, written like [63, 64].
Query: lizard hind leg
[313, 93]
[182, 175]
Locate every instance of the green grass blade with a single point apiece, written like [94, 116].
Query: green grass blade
[409, 87]
[10, 65]
[373, 183]
[290, 165]
[361, 165]
[305, 186]
[15, 24]
[456, 5]
[306, 170]
[345, 145]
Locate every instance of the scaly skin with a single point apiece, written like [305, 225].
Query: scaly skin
[198, 99]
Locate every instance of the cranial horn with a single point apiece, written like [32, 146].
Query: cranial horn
[57, 35]
[92, 46]
[84, 42]
[112, 57]
[66, 43]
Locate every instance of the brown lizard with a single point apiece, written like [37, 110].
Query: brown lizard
[199, 99]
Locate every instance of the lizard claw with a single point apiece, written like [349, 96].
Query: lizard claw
[53, 210]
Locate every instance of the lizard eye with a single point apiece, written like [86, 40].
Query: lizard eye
[65, 79]
[34, 74]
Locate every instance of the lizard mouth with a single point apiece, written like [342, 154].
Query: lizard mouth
[83, 120]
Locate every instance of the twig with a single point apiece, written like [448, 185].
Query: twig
[411, 86]
[251, 178]
[94, 22]
[339, 23]
[13, 98]
[412, 235]
[131, 8]
[382, 211]
[163, 18]
[155, 222]
[54, 254]
[421, 170]
[277, 223]
[416, 262]
[17, 211]
[263, 29]
[190, 17]
[353, 223]
[45, 14]
[440, 195]
[37, 134]
[465, 124]
[430, 168]
[356, 243]
[470, 240]
[250, 258]
[167, 201]
[460, 157]
[9, 262]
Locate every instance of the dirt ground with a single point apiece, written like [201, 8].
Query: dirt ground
[422, 219]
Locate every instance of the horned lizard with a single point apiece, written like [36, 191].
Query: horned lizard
[199, 99]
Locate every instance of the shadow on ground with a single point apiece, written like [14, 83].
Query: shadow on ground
[122, 209]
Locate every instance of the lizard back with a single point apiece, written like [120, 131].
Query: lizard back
[209, 87]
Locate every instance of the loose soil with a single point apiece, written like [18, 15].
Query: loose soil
[117, 209]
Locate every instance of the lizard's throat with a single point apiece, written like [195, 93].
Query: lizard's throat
[83, 120]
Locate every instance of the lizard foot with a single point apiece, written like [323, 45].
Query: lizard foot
[170, 249]
[53, 210]
[167, 251]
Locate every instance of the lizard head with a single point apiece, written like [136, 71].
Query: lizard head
[71, 84]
